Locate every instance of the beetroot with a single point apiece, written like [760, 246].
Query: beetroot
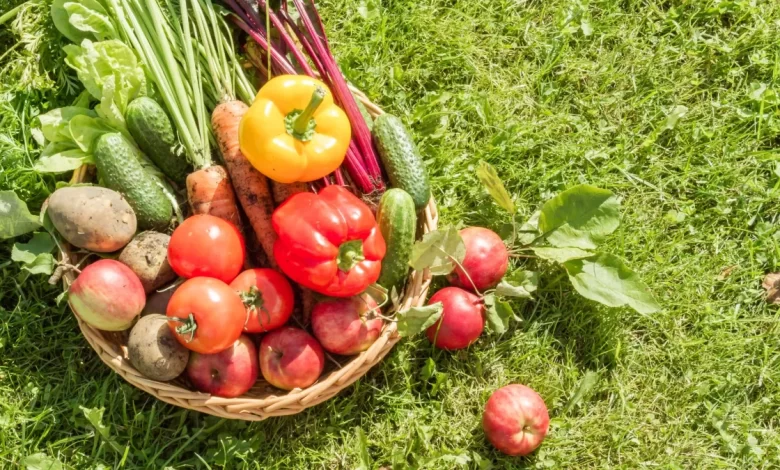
[486, 260]
[461, 321]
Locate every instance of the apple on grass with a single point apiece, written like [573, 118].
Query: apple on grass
[291, 358]
[345, 326]
[515, 419]
[230, 373]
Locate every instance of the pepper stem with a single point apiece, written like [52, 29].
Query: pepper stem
[301, 124]
[350, 254]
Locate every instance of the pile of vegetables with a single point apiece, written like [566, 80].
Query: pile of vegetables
[236, 233]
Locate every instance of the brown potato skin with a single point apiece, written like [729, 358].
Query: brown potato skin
[154, 351]
[94, 218]
[147, 256]
[157, 301]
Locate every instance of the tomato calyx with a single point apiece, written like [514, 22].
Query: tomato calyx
[254, 302]
[188, 325]
[350, 254]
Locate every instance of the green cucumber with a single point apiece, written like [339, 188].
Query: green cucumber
[119, 167]
[397, 220]
[152, 131]
[401, 158]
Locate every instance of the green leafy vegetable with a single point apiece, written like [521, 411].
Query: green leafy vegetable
[59, 16]
[55, 124]
[560, 255]
[59, 157]
[437, 250]
[91, 19]
[35, 255]
[417, 319]
[15, 218]
[606, 279]
[518, 284]
[85, 131]
[489, 178]
[580, 217]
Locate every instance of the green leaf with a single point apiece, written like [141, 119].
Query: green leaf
[41, 461]
[61, 161]
[518, 284]
[365, 459]
[55, 124]
[489, 178]
[437, 250]
[529, 231]
[580, 217]
[606, 279]
[95, 418]
[85, 131]
[677, 113]
[35, 255]
[499, 315]
[89, 17]
[15, 218]
[585, 386]
[59, 16]
[417, 319]
[428, 370]
[560, 255]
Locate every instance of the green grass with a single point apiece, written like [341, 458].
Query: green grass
[517, 83]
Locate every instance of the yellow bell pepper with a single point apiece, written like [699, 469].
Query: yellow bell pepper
[294, 131]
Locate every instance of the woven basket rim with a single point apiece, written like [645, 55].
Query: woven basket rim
[266, 402]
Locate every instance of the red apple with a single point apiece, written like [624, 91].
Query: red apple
[486, 260]
[291, 358]
[461, 322]
[229, 373]
[346, 326]
[515, 419]
[107, 295]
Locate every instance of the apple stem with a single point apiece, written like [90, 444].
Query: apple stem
[457, 263]
[188, 325]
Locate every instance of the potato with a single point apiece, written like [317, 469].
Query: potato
[147, 256]
[91, 217]
[154, 351]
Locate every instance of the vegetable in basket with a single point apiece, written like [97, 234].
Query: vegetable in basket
[294, 132]
[328, 242]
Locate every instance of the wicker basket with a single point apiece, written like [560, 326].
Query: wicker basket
[263, 400]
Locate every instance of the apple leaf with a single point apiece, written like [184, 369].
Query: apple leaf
[15, 218]
[607, 280]
[529, 231]
[437, 250]
[518, 284]
[35, 255]
[417, 319]
[489, 178]
[41, 461]
[560, 255]
[580, 217]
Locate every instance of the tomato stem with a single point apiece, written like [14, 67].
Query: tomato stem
[188, 325]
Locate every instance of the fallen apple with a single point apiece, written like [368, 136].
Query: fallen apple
[291, 358]
[486, 260]
[346, 325]
[229, 373]
[107, 295]
[462, 319]
[515, 419]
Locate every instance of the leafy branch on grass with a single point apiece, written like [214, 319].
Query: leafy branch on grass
[567, 230]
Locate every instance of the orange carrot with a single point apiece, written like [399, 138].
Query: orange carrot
[210, 192]
[250, 185]
[283, 191]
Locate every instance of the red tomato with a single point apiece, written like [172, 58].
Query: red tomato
[208, 246]
[206, 315]
[268, 298]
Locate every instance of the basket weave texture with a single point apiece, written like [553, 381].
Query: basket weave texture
[263, 400]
